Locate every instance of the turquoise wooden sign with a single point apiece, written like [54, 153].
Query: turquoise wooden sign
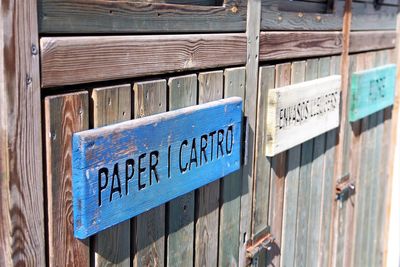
[125, 169]
[371, 91]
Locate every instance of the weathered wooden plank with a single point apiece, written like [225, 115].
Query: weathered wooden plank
[346, 211]
[359, 128]
[64, 115]
[182, 93]
[73, 60]
[149, 228]
[101, 16]
[383, 172]
[316, 184]
[329, 183]
[111, 105]
[277, 182]
[291, 186]
[250, 112]
[276, 18]
[366, 165]
[22, 231]
[303, 202]
[371, 90]
[262, 168]
[288, 45]
[229, 223]
[207, 197]
[371, 40]
[300, 112]
[366, 17]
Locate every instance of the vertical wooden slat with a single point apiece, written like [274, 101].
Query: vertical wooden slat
[149, 228]
[383, 173]
[262, 167]
[229, 225]
[277, 182]
[111, 105]
[358, 172]
[317, 175]
[182, 93]
[329, 182]
[291, 186]
[22, 230]
[64, 115]
[207, 197]
[376, 186]
[369, 165]
[303, 203]
[250, 111]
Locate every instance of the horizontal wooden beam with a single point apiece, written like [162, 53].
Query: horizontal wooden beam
[285, 45]
[74, 60]
[128, 16]
[373, 40]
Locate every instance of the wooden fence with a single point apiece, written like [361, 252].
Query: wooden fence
[72, 65]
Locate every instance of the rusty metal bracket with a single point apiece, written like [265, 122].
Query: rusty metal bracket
[345, 189]
[262, 243]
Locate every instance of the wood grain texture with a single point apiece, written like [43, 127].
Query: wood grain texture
[303, 202]
[274, 18]
[289, 45]
[207, 197]
[291, 186]
[316, 185]
[262, 168]
[149, 228]
[358, 172]
[22, 231]
[250, 109]
[277, 180]
[182, 92]
[73, 60]
[111, 105]
[329, 182]
[101, 16]
[371, 40]
[229, 222]
[64, 115]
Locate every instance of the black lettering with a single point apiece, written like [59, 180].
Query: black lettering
[131, 163]
[118, 188]
[183, 169]
[220, 140]
[153, 166]
[169, 161]
[141, 170]
[193, 159]
[102, 187]
[230, 130]
[212, 143]
[203, 147]
[281, 116]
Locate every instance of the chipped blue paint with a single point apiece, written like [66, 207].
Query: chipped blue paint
[371, 91]
[101, 200]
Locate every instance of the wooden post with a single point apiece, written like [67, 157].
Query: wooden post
[21, 176]
[250, 111]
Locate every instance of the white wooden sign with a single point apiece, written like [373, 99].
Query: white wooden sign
[299, 112]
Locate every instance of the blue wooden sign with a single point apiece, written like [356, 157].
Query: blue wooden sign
[371, 91]
[125, 169]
